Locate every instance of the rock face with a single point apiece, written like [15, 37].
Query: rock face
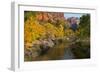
[73, 22]
[52, 17]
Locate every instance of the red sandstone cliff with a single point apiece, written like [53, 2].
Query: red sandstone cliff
[52, 17]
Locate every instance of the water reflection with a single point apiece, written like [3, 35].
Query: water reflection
[61, 51]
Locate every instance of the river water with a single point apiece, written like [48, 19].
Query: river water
[68, 54]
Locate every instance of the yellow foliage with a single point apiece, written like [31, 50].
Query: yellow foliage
[50, 29]
[69, 32]
[54, 31]
[32, 30]
[61, 31]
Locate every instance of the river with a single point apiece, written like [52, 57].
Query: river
[68, 54]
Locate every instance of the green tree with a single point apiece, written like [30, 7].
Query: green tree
[84, 26]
